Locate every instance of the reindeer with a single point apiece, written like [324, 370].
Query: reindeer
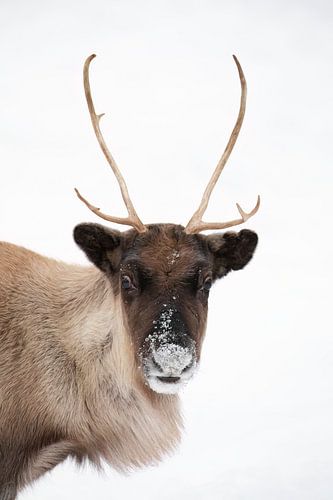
[92, 358]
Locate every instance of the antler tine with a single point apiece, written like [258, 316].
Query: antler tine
[132, 219]
[196, 224]
[205, 226]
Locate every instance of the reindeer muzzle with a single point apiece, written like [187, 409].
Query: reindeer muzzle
[170, 358]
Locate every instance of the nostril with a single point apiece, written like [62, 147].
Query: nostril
[156, 364]
[189, 366]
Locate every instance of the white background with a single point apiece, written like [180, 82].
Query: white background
[259, 413]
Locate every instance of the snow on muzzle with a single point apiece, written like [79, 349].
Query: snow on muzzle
[170, 358]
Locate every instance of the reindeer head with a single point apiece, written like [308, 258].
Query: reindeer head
[163, 273]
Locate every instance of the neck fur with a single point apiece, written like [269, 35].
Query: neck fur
[136, 425]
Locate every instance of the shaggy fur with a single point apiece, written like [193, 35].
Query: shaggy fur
[71, 383]
[68, 383]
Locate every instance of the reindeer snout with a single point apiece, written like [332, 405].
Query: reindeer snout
[169, 355]
[170, 366]
[173, 359]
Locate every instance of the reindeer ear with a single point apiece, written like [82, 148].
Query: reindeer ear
[98, 243]
[231, 251]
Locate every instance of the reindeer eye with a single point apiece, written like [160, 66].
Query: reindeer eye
[207, 284]
[126, 283]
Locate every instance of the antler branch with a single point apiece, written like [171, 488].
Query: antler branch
[196, 224]
[132, 219]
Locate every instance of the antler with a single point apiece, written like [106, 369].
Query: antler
[196, 224]
[132, 219]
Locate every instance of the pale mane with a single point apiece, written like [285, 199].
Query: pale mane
[63, 318]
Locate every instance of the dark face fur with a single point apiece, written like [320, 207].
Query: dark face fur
[164, 276]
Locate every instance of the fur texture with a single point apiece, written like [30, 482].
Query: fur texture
[68, 383]
[91, 357]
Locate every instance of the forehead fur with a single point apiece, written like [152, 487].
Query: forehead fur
[166, 247]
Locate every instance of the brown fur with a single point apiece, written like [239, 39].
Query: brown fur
[64, 389]
[71, 383]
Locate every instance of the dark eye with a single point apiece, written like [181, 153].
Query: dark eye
[126, 283]
[207, 284]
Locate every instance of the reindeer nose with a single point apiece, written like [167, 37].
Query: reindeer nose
[173, 359]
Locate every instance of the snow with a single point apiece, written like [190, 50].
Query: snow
[259, 413]
[173, 358]
[163, 330]
[171, 259]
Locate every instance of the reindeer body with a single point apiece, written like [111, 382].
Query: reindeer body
[68, 383]
[92, 358]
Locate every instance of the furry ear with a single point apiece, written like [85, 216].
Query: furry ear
[98, 243]
[231, 251]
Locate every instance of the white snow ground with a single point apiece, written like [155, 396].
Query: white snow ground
[259, 413]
